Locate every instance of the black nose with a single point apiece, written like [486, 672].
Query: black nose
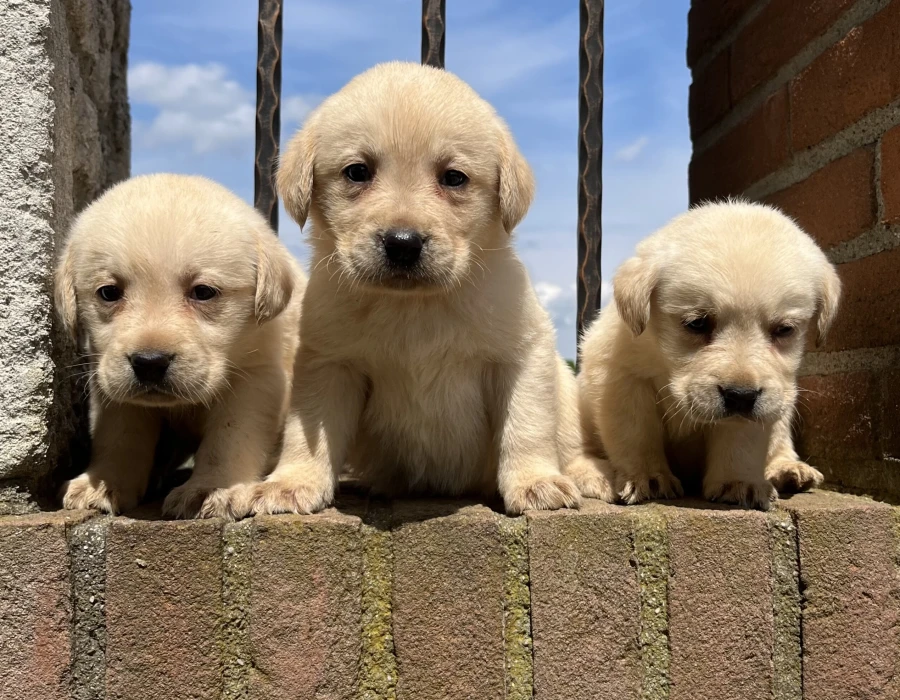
[150, 367]
[403, 247]
[739, 399]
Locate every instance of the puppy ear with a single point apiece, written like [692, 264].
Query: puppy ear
[64, 292]
[516, 184]
[632, 288]
[274, 276]
[829, 299]
[295, 175]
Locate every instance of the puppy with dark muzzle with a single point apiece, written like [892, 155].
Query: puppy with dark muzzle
[426, 362]
[188, 309]
[694, 367]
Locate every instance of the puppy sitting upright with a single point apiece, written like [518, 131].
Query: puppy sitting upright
[694, 366]
[426, 362]
[188, 307]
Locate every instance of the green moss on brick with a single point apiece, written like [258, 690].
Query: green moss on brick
[787, 653]
[651, 551]
[517, 610]
[234, 635]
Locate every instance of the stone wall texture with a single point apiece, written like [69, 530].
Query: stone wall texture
[64, 138]
[797, 103]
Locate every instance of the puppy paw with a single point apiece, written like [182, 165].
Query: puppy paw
[593, 477]
[758, 495]
[649, 487]
[197, 501]
[276, 496]
[90, 493]
[547, 492]
[793, 476]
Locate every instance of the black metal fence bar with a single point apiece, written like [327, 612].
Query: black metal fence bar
[590, 158]
[434, 27]
[268, 108]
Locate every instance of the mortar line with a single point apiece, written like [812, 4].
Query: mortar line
[795, 519]
[234, 629]
[844, 361]
[787, 651]
[650, 549]
[517, 629]
[728, 36]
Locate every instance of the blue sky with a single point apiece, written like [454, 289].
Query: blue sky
[192, 86]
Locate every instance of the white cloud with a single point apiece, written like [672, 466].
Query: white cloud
[547, 292]
[628, 153]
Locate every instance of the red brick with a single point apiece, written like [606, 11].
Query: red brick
[851, 627]
[305, 606]
[163, 605]
[849, 80]
[751, 150]
[776, 35]
[585, 604]
[890, 175]
[869, 315]
[839, 417]
[448, 602]
[890, 415]
[35, 606]
[721, 624]
[708, 20]
[710, 97]
[836, 203]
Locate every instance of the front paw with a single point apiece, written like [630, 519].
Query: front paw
[747, 494]
[198, 501]
[284, 496]
[88, 492]
[637, 488]
[593, 477]
[792, 476]
[546, 492]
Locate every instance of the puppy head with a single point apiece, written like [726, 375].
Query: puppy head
[727, 293]
[167, 278]
[407, 176]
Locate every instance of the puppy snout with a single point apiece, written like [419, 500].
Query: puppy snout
[150, 367]
[739, 400]
[403, 247]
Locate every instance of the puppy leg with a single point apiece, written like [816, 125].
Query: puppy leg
[736, 465]
[785, 470]
[124, 441]
[239, 439]
[528, 475]
[633, 437]
[327, 403]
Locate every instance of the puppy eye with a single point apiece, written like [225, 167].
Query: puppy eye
[109, 293]
[783, 331]
[701, 326]
[203, 292]
[454, 178]
[357, 172]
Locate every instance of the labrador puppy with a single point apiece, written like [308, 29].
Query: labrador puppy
[187, 307]
[426, 363]
[694, 367]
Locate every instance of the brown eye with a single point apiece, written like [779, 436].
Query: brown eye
[358, 172]
[454, 178]
[109, 293]
[203, 292]
[783, 331]
[702, 325]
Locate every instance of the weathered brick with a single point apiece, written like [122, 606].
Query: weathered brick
[776, 35]
[751, 150]
[855, 76]
[721, 625]
[869, 315]
[836, 203]
[839, 417]
[35, 606]
[163, 605]
[585, 604]
[305, 606]
[448, 602]
[890, 410]
[890, 175]
[708, 20]
[710, 95]
[851, 628]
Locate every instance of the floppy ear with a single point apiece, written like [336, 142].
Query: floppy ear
[295, 175]
[829, 299]
[516, 184]
[64, 292]
[632, 288]
[274, 276]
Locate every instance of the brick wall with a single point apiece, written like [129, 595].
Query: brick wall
[797, 103]
[433, 600]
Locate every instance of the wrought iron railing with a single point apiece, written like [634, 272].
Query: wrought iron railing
[590, 123]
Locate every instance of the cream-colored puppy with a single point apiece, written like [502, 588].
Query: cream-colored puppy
[694, 366]
[426, 362]
[188, 308]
